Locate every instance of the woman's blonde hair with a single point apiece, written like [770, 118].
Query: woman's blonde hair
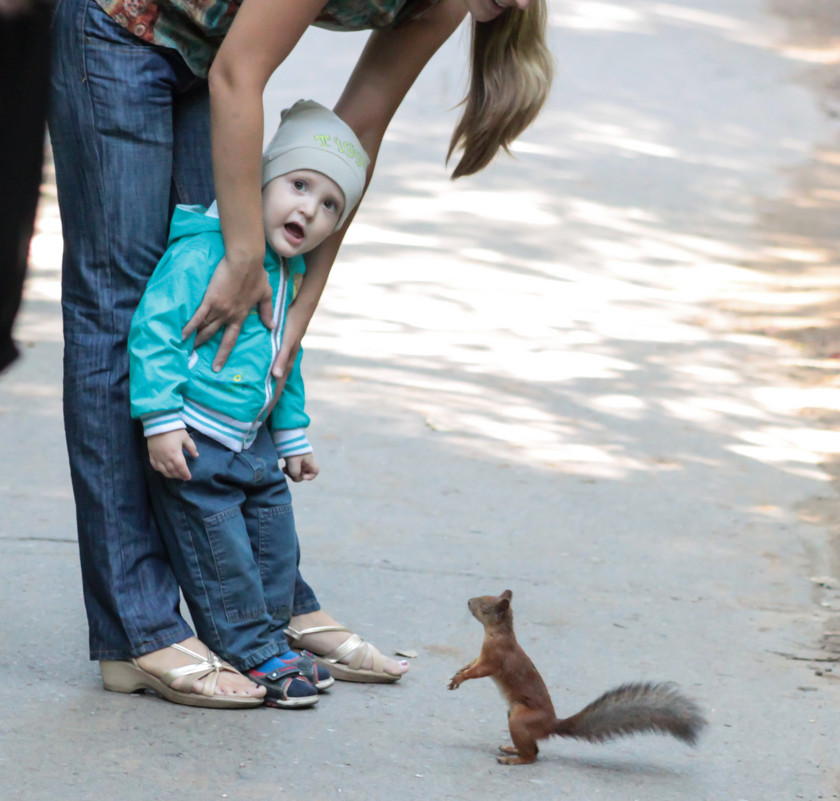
[510, 77]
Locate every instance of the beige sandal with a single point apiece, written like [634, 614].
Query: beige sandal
[128, 677]
[354, 650]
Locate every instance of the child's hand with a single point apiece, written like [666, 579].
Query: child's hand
[301, 468]
[166, 453]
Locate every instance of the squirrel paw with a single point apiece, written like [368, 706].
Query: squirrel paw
[513, 756]
[514, 760]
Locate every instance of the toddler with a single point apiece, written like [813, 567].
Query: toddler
[214, 438]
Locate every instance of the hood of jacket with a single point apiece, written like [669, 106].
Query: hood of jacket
[192, 220]
[187, 221]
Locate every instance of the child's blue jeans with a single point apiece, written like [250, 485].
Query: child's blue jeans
[231, 537]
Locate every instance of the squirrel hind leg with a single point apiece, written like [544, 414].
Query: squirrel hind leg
[512, 760]
[513, 757]
[524, 749]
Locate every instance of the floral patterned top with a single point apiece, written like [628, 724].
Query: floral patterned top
[195, 28]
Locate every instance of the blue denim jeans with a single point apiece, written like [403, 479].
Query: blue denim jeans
[230, 532]
[129, 125]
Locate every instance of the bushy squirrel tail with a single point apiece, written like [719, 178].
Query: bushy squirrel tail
[636, 709]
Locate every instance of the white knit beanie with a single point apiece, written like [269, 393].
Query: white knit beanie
[311, 137]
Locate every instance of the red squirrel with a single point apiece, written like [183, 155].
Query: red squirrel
[629, 709]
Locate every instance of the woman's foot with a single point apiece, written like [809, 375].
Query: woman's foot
[229, 683]
[324, 643]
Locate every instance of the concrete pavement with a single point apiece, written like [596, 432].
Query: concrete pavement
[549, 378]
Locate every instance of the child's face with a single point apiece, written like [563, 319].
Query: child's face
[300, 210]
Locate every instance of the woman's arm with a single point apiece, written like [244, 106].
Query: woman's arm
[387, 68]
[263, 33]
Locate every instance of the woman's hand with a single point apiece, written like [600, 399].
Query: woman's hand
[233, 291]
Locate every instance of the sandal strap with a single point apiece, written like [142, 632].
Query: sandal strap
[376, 657]
[184, 650]
[290, 671]
[297, 635]
[353, 650]
[356, 658]
[349, 647]
[205, 667]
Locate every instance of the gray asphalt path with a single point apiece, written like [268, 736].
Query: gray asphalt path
[530, 380]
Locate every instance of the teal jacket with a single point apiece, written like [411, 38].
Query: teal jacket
[173, 384]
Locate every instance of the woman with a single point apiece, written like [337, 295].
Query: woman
[131, 136]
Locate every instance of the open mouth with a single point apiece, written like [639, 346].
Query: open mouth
[294, 230]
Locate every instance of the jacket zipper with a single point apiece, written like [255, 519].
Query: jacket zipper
[276, 335]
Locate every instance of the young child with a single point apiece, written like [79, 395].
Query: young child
[224, 507]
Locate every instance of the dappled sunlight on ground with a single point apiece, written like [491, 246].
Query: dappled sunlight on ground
[557, 307]
[618, 276]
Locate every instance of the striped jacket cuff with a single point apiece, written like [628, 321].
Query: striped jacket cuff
[292, 442]
[161, 423]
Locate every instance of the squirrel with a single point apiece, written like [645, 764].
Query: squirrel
[628, 709]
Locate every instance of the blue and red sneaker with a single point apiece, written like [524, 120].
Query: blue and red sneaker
[286, 686]
[315, 673]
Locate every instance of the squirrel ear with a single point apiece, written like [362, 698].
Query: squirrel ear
[507, 594]
[502, 605]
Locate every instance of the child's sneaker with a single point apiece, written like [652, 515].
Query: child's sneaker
[286, 687]
[315, 673]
